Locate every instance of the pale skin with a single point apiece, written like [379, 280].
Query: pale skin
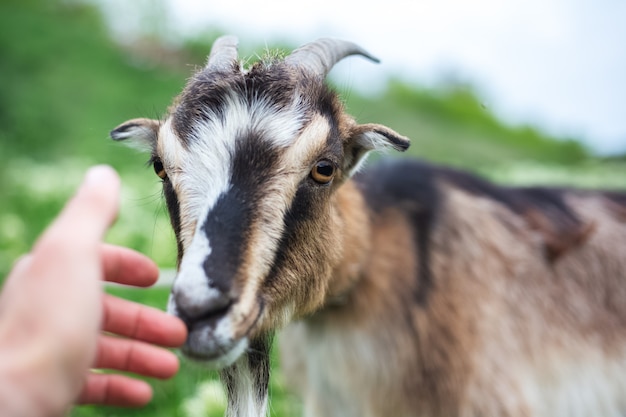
[57, 325]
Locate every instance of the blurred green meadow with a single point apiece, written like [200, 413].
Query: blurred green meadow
[66, 84]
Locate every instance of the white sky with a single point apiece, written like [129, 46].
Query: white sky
[558, 64]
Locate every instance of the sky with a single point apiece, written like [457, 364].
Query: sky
[559, 65]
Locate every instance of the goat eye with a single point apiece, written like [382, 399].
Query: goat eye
[323, 172]
[158, 168]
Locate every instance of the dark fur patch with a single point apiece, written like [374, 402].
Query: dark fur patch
[616, 203]
[115, 133]
[228, 224]
[617, 197]
[226, 228]
[400, 145]
[259, 363]
[412, 186]
[173, 207]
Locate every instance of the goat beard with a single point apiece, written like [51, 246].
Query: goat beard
[247, 380]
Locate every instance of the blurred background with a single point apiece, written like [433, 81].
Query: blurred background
[523, 92]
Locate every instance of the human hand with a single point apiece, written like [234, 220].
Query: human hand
[140, 326]
[51, 314]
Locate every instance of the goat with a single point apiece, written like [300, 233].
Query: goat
[404, 289]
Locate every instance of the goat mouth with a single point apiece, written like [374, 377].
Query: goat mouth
[218, 343]
[221, 358]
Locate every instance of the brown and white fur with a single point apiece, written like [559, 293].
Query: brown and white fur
[405, 289]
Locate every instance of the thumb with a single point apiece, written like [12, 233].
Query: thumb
[87, 216]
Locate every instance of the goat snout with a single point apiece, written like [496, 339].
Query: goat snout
[208, 314]
[193, 307]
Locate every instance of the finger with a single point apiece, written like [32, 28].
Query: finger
[87, 216]
[67, 256]
[136, 321]
[126, 266]
[136, 357]
[21, 264]
[115, 390]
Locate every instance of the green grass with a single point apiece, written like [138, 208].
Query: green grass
[66, 84]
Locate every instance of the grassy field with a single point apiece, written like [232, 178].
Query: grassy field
[66, 84]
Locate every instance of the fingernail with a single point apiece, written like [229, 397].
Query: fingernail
[99, 175]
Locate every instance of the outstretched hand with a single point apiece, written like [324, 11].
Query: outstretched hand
[141, 328]
[56, 323]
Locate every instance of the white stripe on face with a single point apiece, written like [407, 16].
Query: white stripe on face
[199, 174]
[199, 178]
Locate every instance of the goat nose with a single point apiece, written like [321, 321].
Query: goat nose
[193, 306]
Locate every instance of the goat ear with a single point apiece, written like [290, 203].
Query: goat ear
[371, 137]
[140, 133]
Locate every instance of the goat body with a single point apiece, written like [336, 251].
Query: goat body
[405, 289]
[472, 300]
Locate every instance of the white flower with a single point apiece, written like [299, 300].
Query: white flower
[209, 400]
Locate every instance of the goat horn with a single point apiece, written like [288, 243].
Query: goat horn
[223, 54]
[321, 55]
